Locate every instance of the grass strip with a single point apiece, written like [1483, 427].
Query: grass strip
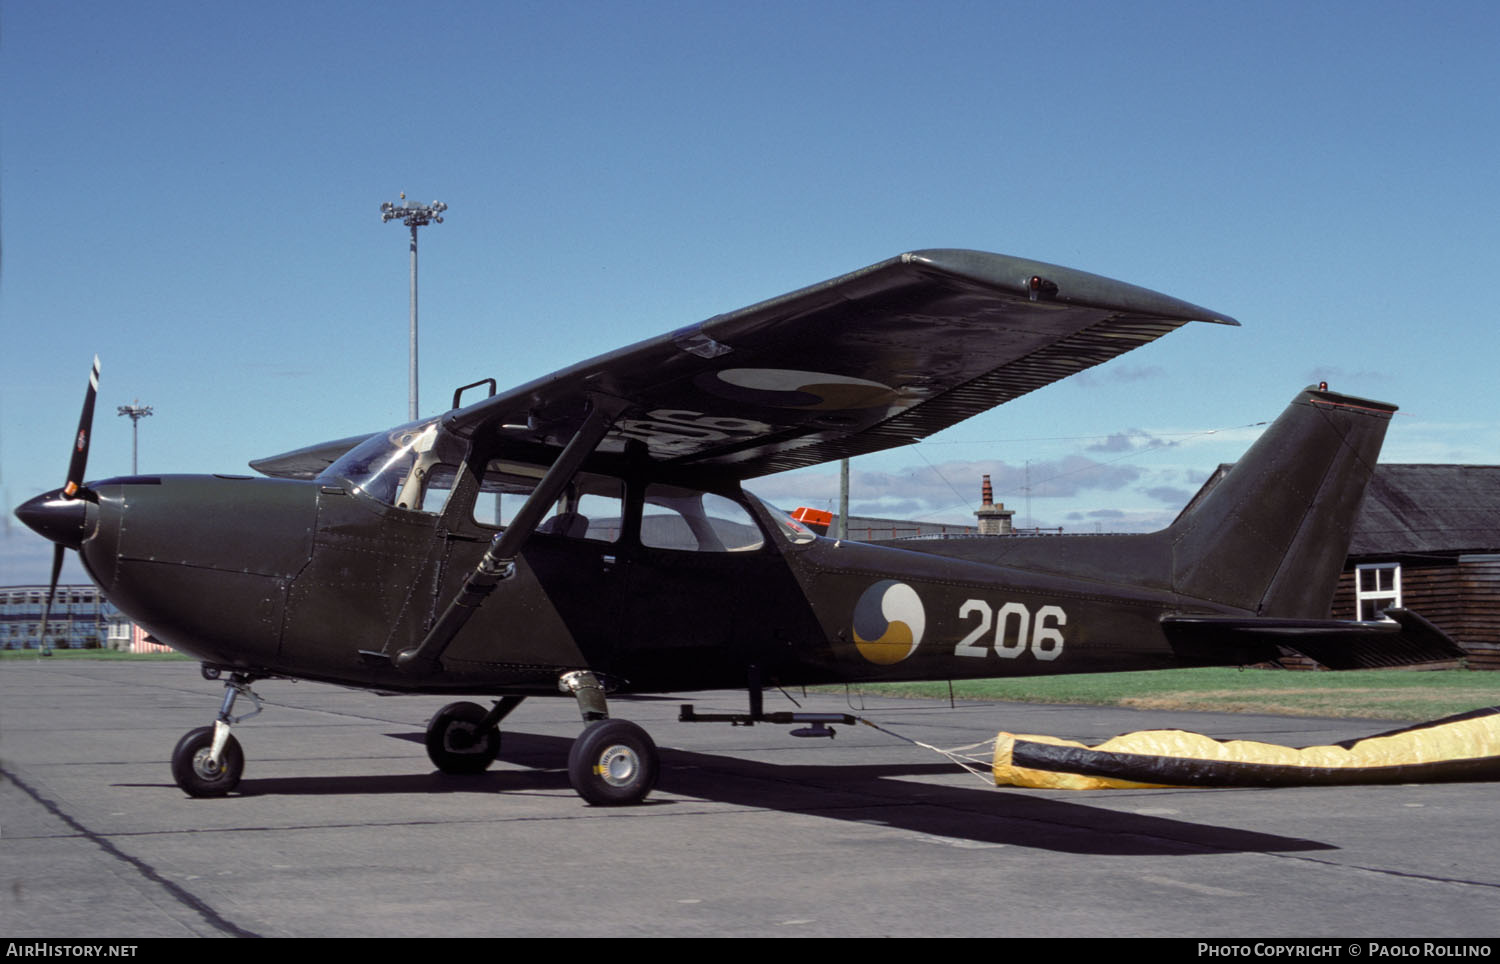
[1375, 694]
[108, 654]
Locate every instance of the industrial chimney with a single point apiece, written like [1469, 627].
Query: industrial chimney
[994, 520]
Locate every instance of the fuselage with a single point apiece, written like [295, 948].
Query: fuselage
[319, 579]
[659, 576]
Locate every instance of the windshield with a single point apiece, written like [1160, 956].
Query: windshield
[381, 464]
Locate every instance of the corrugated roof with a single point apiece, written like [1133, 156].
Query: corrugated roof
[1417, 510]
[1429, 508]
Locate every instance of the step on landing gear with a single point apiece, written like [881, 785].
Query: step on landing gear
[817, 723]
[613, 762]
[208, 761]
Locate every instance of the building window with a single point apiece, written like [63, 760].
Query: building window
[1376, 589]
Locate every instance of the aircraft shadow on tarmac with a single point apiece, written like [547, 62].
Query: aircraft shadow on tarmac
[872, 795]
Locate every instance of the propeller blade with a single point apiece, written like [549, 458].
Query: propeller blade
[80, 460]
[57, 561]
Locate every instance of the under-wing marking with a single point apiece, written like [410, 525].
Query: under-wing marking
[780, 388]
[670, 431]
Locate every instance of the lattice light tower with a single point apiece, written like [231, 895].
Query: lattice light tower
[136, 411]
[414, 216]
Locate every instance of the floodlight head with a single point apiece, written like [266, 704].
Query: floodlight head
[412, 213]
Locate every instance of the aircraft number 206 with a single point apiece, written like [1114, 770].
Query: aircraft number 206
[1015, 630]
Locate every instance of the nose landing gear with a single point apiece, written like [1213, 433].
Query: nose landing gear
[201, 769]
[208, 761]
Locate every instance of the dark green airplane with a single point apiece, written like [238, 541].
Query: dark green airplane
[586, 533]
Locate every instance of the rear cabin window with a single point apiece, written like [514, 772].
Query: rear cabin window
[695, 521]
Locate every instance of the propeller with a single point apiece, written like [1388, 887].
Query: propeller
[80, 459]
[51, 515]
[57, 561]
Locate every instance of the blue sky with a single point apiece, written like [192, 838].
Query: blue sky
[192, 192]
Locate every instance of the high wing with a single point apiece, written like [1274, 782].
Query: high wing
[871, 360]
[306, 463]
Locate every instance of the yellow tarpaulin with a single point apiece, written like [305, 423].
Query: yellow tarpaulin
[1464, 747]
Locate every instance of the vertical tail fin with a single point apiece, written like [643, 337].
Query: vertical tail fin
[1272, 536]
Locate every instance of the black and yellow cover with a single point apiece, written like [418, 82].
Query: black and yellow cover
[1457, 748]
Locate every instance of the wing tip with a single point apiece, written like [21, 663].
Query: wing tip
[1012, 274]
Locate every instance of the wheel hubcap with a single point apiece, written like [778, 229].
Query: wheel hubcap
[205, 767]
[463, 738]
[618, 765]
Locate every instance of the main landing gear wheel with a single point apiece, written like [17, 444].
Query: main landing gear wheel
[198, 775]
[613, 763]
[455, 743]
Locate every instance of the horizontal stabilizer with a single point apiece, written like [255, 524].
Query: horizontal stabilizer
[1409, 640]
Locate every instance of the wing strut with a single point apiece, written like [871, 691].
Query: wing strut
[499, 560]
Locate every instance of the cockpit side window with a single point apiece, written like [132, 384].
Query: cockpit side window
[592, 507]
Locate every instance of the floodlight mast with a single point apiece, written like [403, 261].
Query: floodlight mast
[136, 411]
[414, 216]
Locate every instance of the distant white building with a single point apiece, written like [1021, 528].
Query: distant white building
[79, 617]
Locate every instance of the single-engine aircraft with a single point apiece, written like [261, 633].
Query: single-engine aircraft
[586, 533]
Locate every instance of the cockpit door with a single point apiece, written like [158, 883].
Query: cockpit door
[562, 603]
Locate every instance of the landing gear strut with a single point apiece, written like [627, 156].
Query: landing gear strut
[613, 762]
[208, 761]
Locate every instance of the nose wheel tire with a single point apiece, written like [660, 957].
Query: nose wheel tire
[613, 763]
[198, 775]
[455, 742]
